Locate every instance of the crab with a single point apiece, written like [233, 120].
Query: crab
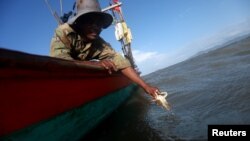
[160, 100]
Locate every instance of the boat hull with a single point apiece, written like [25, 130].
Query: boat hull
[37, 89]
[74, 124]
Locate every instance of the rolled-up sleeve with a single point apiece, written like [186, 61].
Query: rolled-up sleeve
[119, 60]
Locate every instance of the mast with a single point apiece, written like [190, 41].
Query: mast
[122, 31]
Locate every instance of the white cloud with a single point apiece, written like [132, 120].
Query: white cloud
[217, 39]
[150, 61]
[141, 56]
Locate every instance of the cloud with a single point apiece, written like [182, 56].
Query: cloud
[149, 61]
[217, 39]
[141, 56]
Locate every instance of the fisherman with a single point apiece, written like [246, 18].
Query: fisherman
[79, 39]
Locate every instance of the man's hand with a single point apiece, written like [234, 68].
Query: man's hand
[108, 65]
[153, 91]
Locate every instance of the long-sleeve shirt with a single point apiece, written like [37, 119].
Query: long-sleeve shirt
[67, 44]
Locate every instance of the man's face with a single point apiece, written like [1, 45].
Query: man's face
[90, 29]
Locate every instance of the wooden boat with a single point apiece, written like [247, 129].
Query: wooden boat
[44, 98]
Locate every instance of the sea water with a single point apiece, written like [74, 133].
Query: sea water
[212, 88]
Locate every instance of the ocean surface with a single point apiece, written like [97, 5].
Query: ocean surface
[212, 88]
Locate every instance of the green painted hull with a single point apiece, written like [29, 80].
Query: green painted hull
[74, 124]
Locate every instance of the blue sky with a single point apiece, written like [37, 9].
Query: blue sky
[164, 32]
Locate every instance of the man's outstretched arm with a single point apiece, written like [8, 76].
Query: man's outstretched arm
[133, 76]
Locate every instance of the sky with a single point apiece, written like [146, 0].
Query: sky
[164, 32]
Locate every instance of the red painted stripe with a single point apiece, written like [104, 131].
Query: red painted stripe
[31, 92]
[27, 101]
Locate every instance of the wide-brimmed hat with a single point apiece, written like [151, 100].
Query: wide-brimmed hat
[86, 8]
